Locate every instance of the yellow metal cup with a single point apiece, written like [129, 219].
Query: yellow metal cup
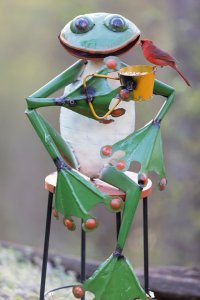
[139, 79]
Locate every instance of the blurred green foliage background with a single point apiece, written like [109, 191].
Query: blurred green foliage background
[30, 55]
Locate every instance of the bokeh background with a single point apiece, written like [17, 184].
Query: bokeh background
[30, 55]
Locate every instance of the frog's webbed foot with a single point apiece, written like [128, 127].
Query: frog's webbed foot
[75, 197]
[115, 280]
[143, 146]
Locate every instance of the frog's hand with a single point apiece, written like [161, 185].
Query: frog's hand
[115, 280]
[98, 91]
[143, 146]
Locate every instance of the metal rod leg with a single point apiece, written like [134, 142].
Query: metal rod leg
[146, 247]
[46, 246]
[118, 222]
[83, 256]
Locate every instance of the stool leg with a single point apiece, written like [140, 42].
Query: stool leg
[146, 247]
[118, 222]
[46, 246]
[83, 256]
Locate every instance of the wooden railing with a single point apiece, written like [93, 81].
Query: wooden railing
[167, 282]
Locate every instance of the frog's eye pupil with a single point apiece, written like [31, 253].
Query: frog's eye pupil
[82, 24]
[117, 23]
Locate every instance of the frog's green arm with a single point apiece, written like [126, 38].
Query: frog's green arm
[39, 98]
[103, 93]
[165, 90]
[98, 90]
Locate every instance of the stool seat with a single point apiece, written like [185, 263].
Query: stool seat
[51, 179]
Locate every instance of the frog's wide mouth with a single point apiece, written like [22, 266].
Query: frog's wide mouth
[93, 54]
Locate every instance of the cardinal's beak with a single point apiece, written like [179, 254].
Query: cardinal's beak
[138, 43]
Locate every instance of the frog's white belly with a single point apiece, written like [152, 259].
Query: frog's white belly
[86, 136]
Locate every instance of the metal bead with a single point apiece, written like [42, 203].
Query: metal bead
[163, 184]
[69, 224]
[116, 203]
[90, 224]
[54, 213]
[78, 292]
[111, 64]
[106, 150]
[143, 179]
[124, 94]
[121, 165]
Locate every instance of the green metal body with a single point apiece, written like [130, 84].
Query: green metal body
[74, 196]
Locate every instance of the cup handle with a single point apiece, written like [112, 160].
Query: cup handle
[89, 100]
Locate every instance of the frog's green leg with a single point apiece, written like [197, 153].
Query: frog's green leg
[145, 144]
[74, 196]
[115, 278]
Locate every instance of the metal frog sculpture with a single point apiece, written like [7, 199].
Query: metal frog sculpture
[98, 139]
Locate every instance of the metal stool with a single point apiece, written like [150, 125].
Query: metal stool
[50, 183]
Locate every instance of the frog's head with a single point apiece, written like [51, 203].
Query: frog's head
[98, 35]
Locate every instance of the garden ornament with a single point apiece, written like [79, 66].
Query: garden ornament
[98, 137]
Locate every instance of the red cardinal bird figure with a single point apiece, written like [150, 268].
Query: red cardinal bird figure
[159, 57]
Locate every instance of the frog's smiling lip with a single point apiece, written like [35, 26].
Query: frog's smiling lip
[92, 54]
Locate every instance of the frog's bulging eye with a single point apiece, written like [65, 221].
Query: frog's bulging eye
[81, 24]
[116, 23]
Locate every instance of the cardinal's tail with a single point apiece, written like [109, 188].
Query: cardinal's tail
[179, 72]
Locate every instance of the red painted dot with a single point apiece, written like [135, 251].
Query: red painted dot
[69, 224]
[78, 292]
[90, 223]
[111, 63]
[107, 150]
[54, 213]
[121, 165]
[106, 121]
[124, 94]
[163, 184]
[116, 203]
[118, 112]
[143, 179]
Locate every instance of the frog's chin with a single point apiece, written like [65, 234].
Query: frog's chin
[96, 54]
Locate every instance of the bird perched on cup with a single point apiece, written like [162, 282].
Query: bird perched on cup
[159, 57]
